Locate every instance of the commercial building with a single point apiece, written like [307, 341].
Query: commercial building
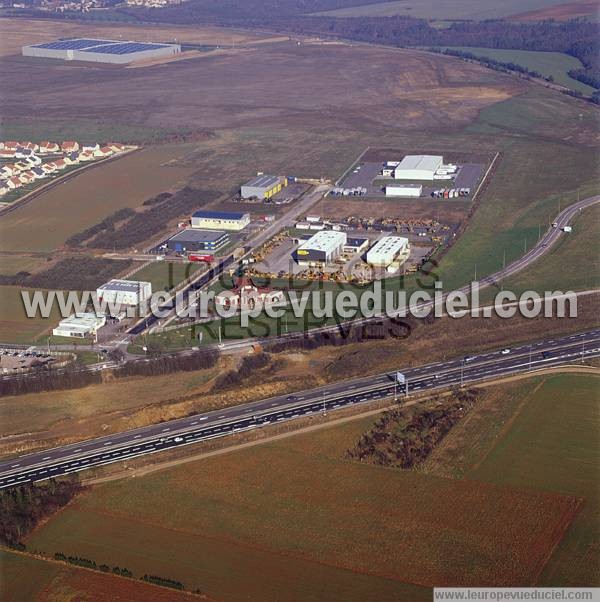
[192, 239]
[220, 220]
[322, 248]
[418, 167]
[262, 187]
[101, 51]
[388, 250]
[404, 190]
[125, 292]
[80, 326]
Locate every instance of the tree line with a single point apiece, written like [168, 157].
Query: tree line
[75, 376]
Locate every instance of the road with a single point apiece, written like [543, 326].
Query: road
[219, 423]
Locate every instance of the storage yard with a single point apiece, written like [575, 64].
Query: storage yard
[411, 177]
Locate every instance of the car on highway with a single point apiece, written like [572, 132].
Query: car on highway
[469, 358]
[505, 351]
[291, 398]
[178, 439]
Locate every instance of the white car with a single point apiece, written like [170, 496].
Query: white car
[505, 351]
[178, 439]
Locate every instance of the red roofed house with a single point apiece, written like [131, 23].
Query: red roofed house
[11, 145]
[60, 163]
[69, 146]
[13, 182]
[7, 170]
[86, 156]
[27, 177]
[49, 147]
[105, 151]
[49, 167]
[116, 147]
[29, 145]
[7, 153]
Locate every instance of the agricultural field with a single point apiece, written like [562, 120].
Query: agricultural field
[244, 522]
[91, 196]
[540, 434]
[555, 64]
[448, 11]
[28, 578]
[164, 275]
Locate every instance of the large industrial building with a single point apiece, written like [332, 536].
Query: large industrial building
[79, 326]
[125, 292]
[388, 250]
[101, 51]
[262, 187]
[192, 239]
[404, 190]
[418, 167]
[220, 220]
[322, 248]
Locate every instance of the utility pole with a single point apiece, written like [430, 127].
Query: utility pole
[220, 336]
[406, 386]
[324, 408]
[539, 231]
[396, 391]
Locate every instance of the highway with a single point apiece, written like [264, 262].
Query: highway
[155, 438]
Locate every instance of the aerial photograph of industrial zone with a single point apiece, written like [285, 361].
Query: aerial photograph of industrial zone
[300, 300]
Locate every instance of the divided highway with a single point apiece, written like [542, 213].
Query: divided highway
[201, 427]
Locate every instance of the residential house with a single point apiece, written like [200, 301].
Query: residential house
[23, 153]
[32, 146]
[27, 177]
[33, 160]
[60, 163]
[105, 151]
[116, 147]
[13, 182]
[91, 147]
[38, 172]
[7, 170]
[21, 166]
[72, 158]
[7, 153]
[49, 147]
[86, 156]
[49, 168]
[69, 146]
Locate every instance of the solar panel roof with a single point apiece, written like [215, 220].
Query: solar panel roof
[124, 48]
[73, 44]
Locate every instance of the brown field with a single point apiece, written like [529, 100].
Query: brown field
[31, 31]
[92, 195]
[434, 531]
[37, 580]
[560, 12]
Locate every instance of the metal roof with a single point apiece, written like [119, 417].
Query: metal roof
[324, 240]
[428, 162]
[263, 181]
[233, 215]
[196, 235]
[388, 244]
[123, 285]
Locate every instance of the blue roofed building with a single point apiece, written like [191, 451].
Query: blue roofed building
[220, 220]
[100, 50]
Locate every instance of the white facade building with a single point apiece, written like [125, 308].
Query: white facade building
[79, 326]
[322, 248]
[388, 250]
[418, 167]
[125, 292]
[405, 190]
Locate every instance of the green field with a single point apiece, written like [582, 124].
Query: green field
[450, 10]
[555, 64]
[164, 275]
[540, 434]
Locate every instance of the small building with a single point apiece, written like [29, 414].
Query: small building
[418, 167]
[388, 250]
[322, 248]
[26, 177]
[104, 151]
[125, 292]
[6, 171]
[13, 182]
[86, 155]
[48, 168]
[404, 190]
[60, 164]
[23, 153]
[116, 147]
[91, 148]
[79, 326]
[21, 166]
[69, 146]
[33, 160]
[245, 296]
[192, 239]
[220, 220]
[38, 172]
[262, 187]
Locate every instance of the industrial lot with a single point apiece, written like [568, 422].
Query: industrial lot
[293, 242]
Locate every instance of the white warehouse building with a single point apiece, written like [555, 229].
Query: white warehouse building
[404, 190]
[388, 250]
[418, 167]
[125, 292]
[322, 248]
[79, 326]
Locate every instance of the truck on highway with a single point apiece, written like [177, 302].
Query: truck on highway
[201, 257]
